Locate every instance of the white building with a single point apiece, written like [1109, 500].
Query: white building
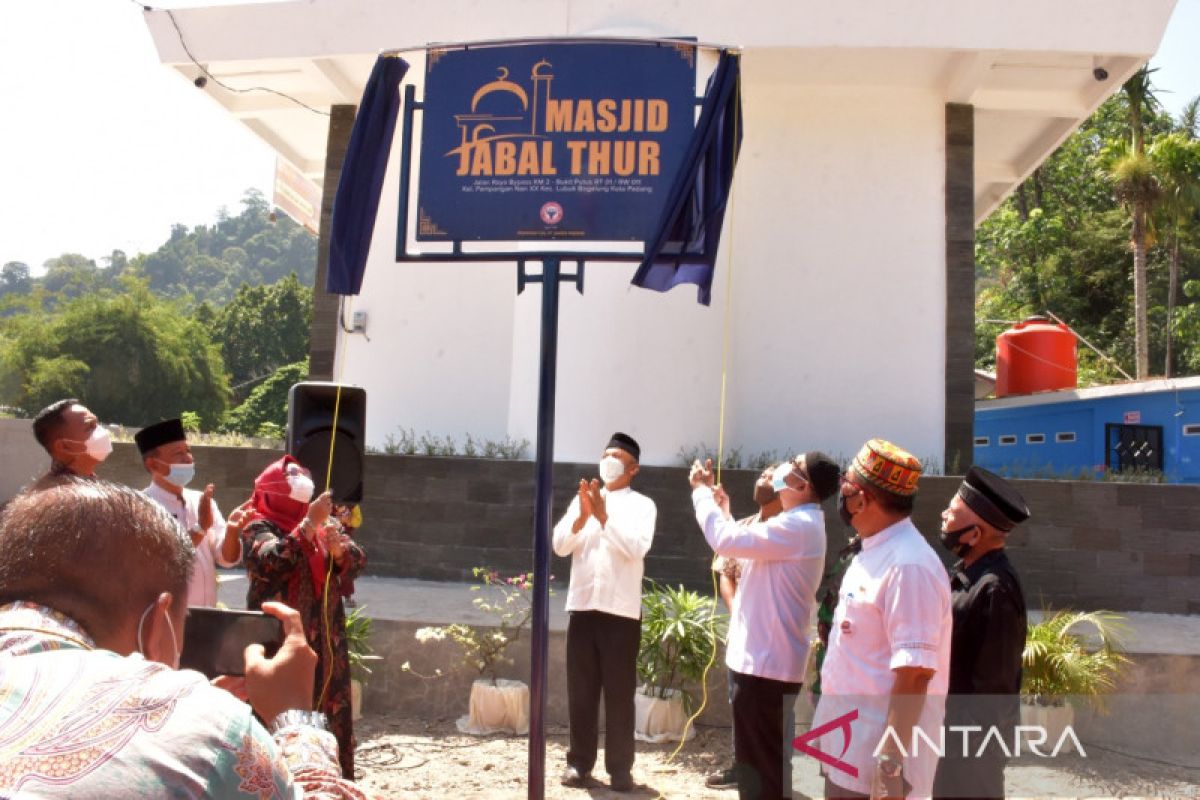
[877, 134]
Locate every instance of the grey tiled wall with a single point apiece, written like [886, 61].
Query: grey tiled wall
[1090, 545]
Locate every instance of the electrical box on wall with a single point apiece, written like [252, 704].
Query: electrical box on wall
[358, 322]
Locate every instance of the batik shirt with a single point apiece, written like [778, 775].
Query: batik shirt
[78, 721]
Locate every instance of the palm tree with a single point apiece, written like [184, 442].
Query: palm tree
[1137, 189]
[1176, 163]
[1139, 95]
[1057, 663]
[1189, 118]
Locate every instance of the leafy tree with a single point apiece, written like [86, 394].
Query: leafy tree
[1061, 243]
[262, 329]
[1137, 188]
[71, 275]
[210, 262]
[116, 262]
[133, 358]
[1189, 118]
[267, 404]
[51, 379]
[1176, 162]
[120, 334]
[15, 278]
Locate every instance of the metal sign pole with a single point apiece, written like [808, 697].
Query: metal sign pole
[543, 507]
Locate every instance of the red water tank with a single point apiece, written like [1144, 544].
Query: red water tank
[1035, 356]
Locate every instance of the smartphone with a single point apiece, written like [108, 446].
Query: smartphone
[215, 639]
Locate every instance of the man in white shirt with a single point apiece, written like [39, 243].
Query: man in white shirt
[888, 664]
[606, 532]
[729, 572]
[168, 459]
[771, 619]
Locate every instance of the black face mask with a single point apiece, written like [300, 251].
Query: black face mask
[952, 540]
[844, 512]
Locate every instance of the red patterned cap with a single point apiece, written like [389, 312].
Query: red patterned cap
[887, 467]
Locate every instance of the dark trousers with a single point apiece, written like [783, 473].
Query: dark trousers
[980, 777]
[764, 722]
[733, 736]
[601, 657]
[835, 792]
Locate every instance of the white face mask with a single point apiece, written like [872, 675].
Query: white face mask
[170, 627]
[180, 474]
[301, 488]
[611, 469]
[780, 475]
[99, 444]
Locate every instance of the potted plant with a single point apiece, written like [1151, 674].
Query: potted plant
[1057, 664]
[496, 704]
[680, 631]
[358, 643]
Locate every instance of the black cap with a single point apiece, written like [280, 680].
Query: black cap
[623, 441]
[822, 472]
[158, 434]
[993, 499]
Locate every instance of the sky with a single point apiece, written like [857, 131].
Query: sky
[103, 148]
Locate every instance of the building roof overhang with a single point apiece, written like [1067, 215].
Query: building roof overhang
[1028, 67]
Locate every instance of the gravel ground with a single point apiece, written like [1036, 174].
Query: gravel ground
[415, 758]
[422, 758]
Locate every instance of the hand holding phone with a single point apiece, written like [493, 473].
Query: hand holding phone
[215, 639]
[284, 681]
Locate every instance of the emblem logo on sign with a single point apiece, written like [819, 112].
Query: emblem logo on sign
[552, 213]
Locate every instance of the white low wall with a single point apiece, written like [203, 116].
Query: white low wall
[23, 458]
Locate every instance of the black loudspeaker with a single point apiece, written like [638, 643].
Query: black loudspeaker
[310, 428]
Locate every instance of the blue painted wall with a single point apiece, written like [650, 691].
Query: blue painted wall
[1086, 418]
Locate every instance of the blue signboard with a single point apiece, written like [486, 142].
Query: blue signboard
[541, 142]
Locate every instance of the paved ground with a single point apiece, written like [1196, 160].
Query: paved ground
[439, 603]
[418, 758]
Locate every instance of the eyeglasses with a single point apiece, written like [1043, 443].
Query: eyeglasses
[798, 469]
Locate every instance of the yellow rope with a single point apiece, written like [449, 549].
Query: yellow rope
[712, 619]
[337, 406]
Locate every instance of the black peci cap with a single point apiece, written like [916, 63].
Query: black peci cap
[158, 434]
[625, 442]
[993, 498]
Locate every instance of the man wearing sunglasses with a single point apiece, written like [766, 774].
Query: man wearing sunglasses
[770, 621]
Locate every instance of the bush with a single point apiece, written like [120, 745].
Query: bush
[680, 630]
[510, 600]
[267, 404]
[1056, 664]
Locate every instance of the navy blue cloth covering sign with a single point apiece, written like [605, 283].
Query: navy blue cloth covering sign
[356, 202]
[544, 142]
[684, 248]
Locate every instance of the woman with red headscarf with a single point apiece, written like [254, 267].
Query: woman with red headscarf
[295, 553]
